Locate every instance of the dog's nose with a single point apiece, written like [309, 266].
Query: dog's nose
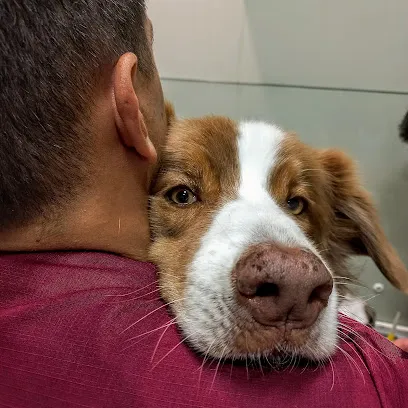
[282, 286]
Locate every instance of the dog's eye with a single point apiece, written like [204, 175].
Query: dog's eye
[296, 205]
[181, 195]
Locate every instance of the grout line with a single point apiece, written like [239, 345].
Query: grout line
[294, 86]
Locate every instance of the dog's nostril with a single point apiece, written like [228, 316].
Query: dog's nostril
[267, 289]
[320, 293]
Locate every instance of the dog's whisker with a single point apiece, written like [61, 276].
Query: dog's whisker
[260, 365]
[158, 343]
[354, 343]
[232, 366]
[365, 299]
[353, 332]
[138, 297]
[293, 361]
[345, 278]
[134, 291]
[173, 349]
[332, 367]
[150, 313]
[246, 367]
[307, 365]
[351, 284]
[172, 321]
[142, 336]
[217, 367]
[200, 369]
[349, 358]
[369, 298]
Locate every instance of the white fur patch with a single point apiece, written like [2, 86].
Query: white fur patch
[354, 308]
[210, 313]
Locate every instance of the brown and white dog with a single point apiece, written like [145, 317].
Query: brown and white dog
[252, 230]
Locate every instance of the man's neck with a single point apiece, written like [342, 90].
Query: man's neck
[119, 228]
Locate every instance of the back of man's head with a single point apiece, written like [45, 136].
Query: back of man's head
[52, 53]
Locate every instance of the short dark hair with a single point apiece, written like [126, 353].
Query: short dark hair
[51, 55]
[403, 128]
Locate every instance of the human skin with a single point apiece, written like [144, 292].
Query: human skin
[402, 344]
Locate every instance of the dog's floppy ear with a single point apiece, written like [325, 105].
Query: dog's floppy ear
[403, 128]
[356, 226]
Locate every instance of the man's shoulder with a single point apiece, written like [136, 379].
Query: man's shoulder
[89, 329]
[50, 273]
[61, 259]
[61, 321]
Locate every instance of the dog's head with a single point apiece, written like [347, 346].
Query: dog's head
[251, 232]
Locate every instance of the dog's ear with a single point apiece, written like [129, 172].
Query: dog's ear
[403, 128]
[356, 227]
[170, 112]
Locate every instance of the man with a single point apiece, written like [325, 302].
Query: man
[81, 322]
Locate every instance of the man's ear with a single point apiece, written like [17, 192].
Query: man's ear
[356, 227]
[128, 116]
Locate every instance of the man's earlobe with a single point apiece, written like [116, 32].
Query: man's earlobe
[128, 116]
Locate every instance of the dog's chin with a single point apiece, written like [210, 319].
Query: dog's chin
[241, 338]
[266, 345]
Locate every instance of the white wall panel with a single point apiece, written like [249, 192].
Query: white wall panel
[198, 39]
[359, 44]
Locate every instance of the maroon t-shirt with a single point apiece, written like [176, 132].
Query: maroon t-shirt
[88, 329]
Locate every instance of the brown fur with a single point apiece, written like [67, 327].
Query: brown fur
[356, 228]
[340, 218]
[170, 113]
[202, 155]
[298, 173]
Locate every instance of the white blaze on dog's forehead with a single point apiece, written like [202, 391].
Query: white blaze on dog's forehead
[258, 146]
